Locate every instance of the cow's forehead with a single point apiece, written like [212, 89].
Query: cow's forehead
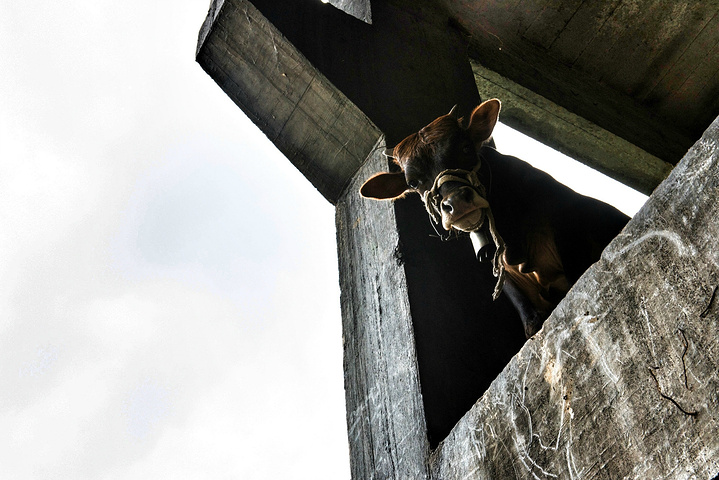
[430, 148]
[419, 164]
[435, 155]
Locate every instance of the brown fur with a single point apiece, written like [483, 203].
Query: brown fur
[423, 143]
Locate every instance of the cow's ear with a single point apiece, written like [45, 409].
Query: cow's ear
[383, 186]
[483, 120]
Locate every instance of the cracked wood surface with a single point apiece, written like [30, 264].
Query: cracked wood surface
[622, 381]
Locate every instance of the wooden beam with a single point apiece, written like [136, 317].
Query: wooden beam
[404, 70]
[385, 413]
[581, 94]
[311, 121]
[571, 134]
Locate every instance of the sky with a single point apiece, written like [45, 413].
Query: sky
[169, 299]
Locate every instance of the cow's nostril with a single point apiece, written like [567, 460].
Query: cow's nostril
[447, 206]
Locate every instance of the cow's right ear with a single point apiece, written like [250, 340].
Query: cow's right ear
[384, 186]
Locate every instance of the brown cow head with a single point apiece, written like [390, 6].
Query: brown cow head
[441, 163]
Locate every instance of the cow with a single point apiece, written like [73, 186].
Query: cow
[539, 234]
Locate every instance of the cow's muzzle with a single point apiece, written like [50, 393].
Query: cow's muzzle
[463, 209]
[457, 200]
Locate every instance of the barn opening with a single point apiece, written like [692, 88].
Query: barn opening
[463, 338]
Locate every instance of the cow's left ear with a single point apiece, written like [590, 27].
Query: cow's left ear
[384, 186]
[483, 120]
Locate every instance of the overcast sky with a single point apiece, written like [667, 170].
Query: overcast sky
[169, 301]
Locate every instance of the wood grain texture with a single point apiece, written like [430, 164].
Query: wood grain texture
[314, 124]
[385, 415]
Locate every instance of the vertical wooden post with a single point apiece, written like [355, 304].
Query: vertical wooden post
[385, 414]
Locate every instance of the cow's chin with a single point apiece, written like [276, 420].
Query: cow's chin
[468, 222]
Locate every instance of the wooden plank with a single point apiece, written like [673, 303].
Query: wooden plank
[553, 19]
[497, 18]
[385, 414]
[526, 13]
[405, 69]
[696, 97]
[286, 96]
[658, 30]
[676, 64]
[603, 63]
[581, 30]
[530, 67]
[621, 381]
[611, 30]
[572, 135]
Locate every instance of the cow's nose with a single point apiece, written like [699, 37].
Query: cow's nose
[456, 199]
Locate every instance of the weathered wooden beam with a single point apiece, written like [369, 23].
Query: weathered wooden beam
[360, 9]
[553, 125]
[404, 70]
[385, 414]
[529, 66]
[311, 121]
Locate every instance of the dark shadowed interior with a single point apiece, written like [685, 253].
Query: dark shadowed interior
[463, 338]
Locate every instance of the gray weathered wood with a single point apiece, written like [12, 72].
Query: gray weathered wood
[314, 124]
[571, 134]
[622, 381]
[385, 416]
[360, 9]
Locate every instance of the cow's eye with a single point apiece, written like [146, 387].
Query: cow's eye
[414, 183]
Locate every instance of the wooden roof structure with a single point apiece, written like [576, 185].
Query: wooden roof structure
[625, 86]
[646, 70]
